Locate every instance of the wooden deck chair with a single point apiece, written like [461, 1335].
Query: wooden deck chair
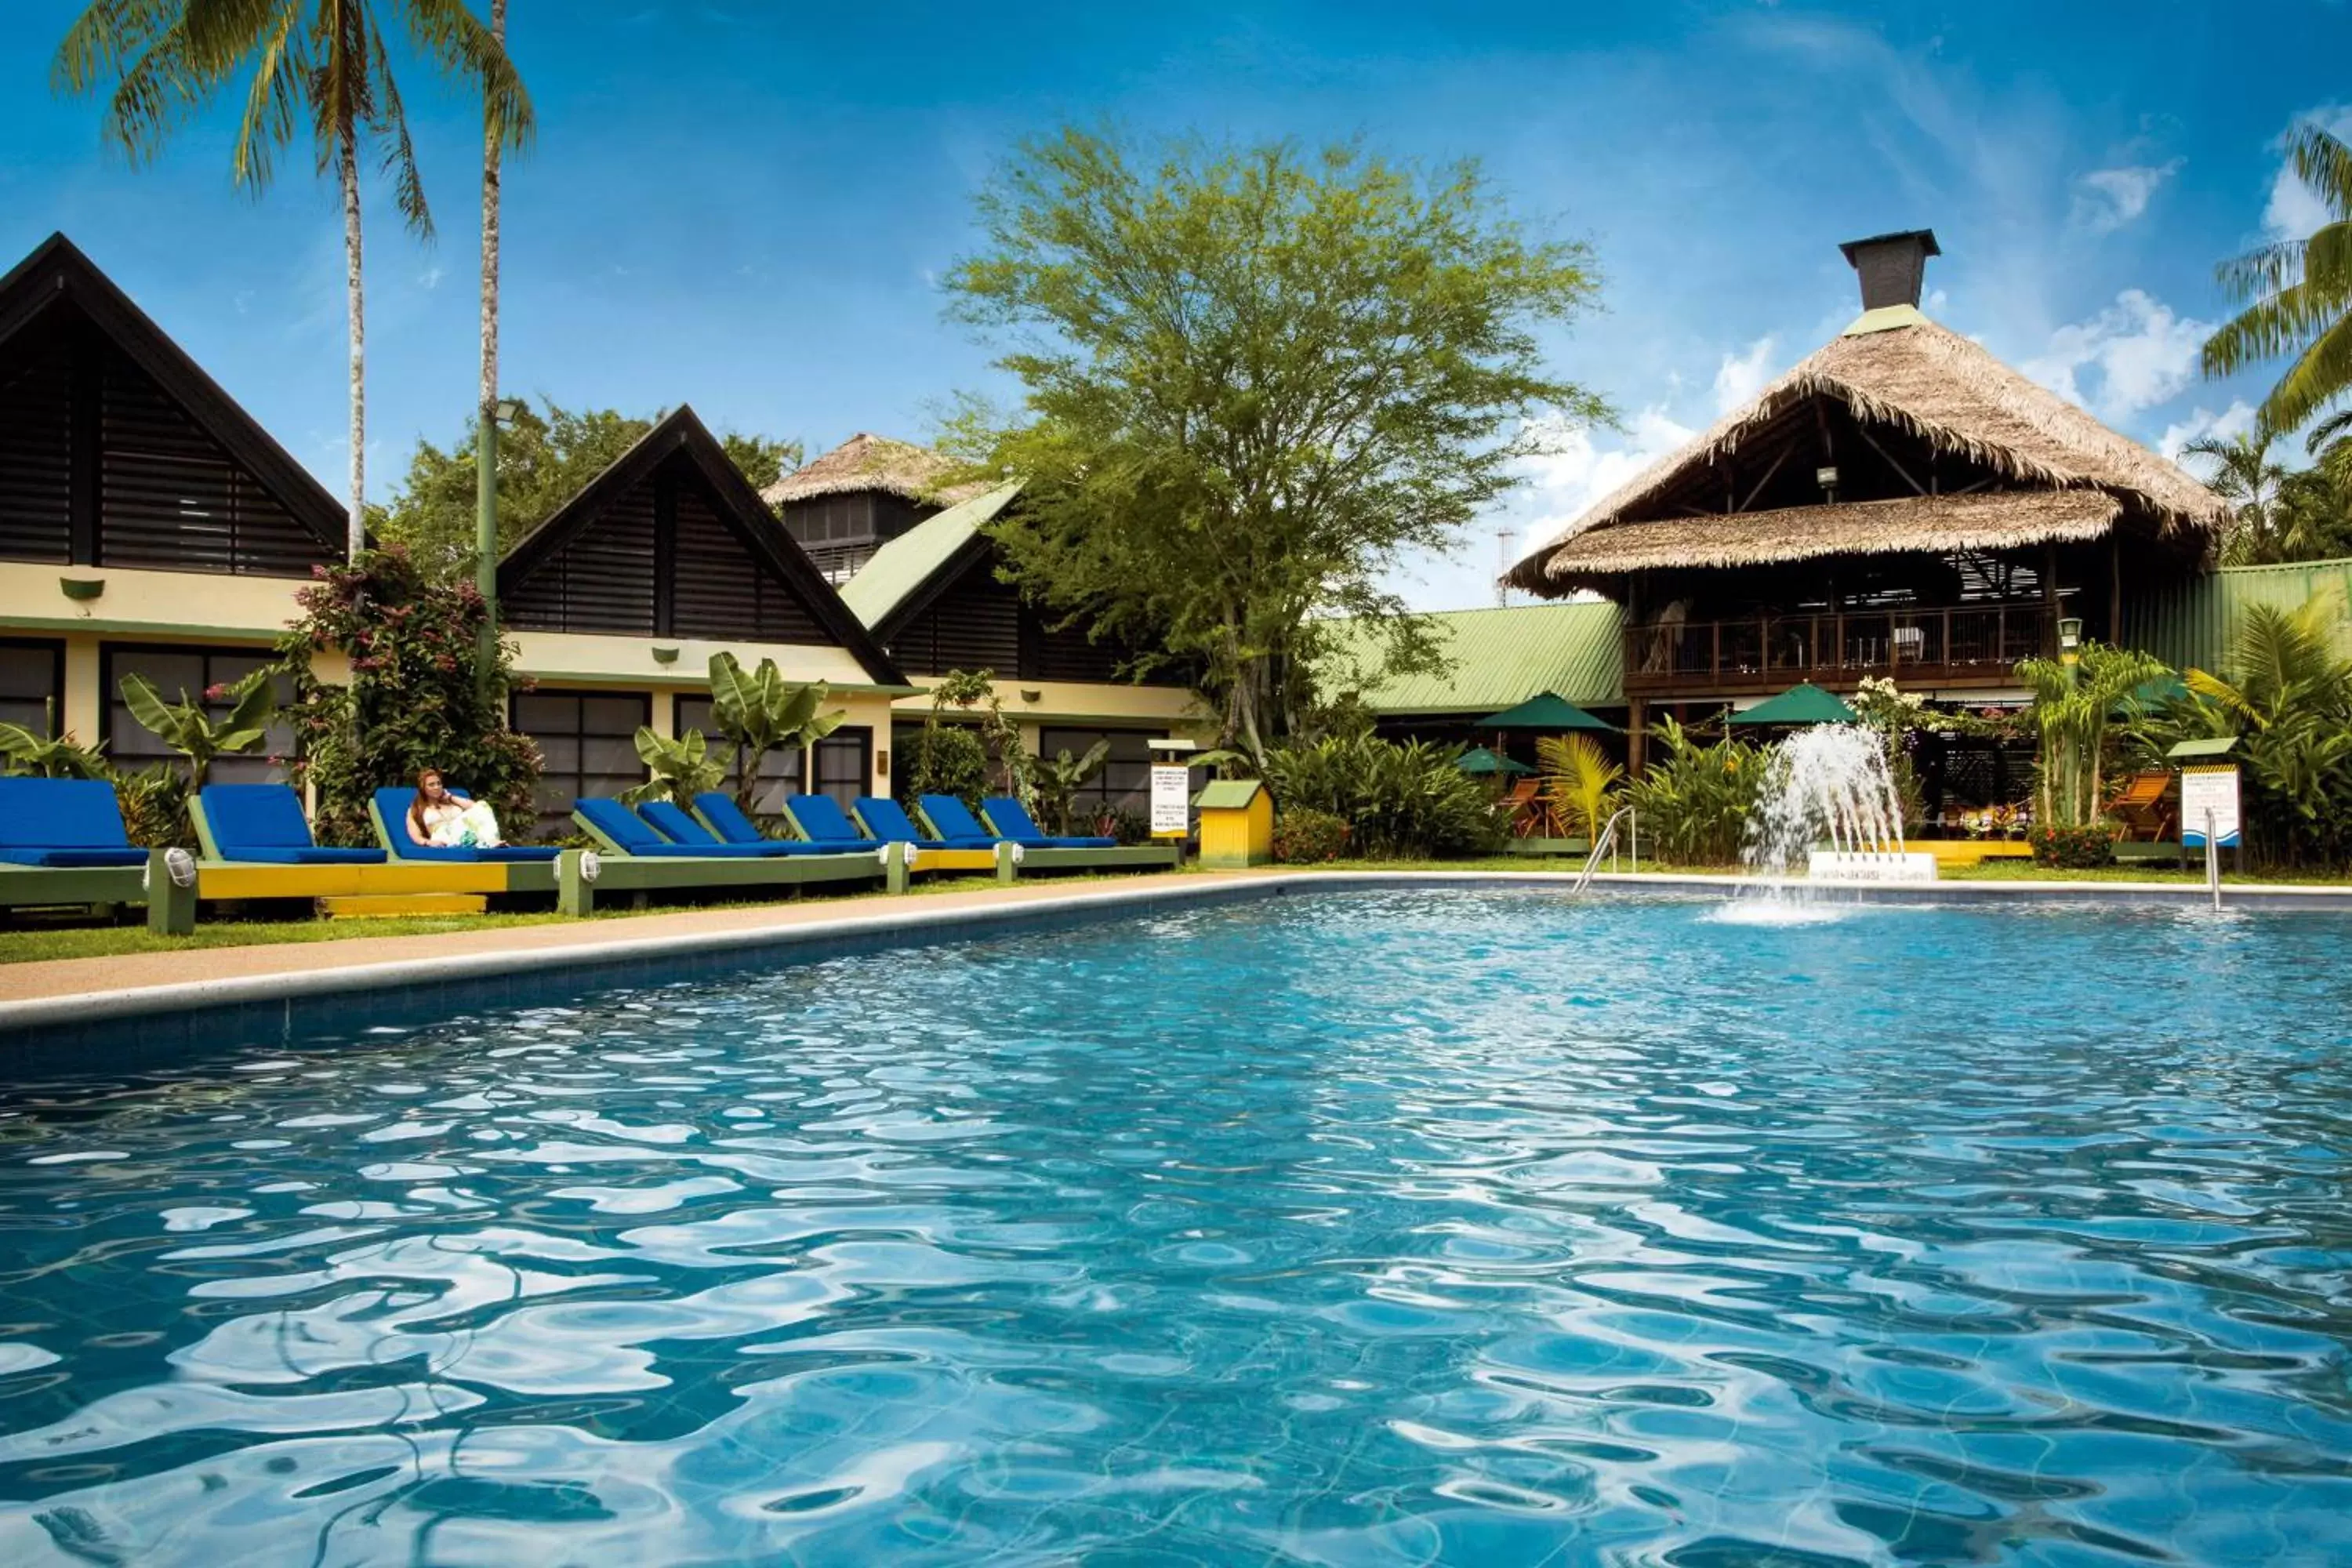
[1525, 801]
[2145, 807]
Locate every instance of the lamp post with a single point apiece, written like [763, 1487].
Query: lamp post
[2069, 655]
[505, 411]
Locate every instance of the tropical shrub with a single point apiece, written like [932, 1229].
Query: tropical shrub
[419, 696]
[974, 691]
[2288, 700]
[675, 770]
[154, 805]
[48, 754]
[1402, 799]
[1692, 803]
[2075, 848]
[2074, 709]
[1303, 837]
[758, 712]
[946, 759]
[1058, 779]
[195, 734]
[1579, 781]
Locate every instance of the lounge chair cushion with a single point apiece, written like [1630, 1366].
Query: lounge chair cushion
[17, 854]
[628, 833]
[392, 805]
[263, 823]
[726, 819]
[889, 821]
[959, 829]
[683, 830]
[78, 815]
[821, 817]
[1013, 819]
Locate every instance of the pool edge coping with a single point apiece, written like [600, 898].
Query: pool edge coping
[917, 925]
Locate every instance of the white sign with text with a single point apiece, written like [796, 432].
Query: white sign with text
[1171, 801]
[2214, 790]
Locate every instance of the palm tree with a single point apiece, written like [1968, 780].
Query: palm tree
[2247, 477]
[320, 62]
[2300, 292]
[493, 143]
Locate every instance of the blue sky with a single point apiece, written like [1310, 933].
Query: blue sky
[746, 206]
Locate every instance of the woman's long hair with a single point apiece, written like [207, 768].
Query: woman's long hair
[417, 829]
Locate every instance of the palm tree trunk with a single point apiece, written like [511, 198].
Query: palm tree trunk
[490, 239]
[348, 170]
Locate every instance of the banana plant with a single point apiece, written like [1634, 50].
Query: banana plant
[1057, 780]
[188, 729]
[675, 770]
[49, 755]
[758, 712]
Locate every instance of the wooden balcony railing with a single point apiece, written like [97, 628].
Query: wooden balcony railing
[1972, 644]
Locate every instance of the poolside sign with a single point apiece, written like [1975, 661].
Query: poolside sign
[1171, 800]
[2209, 791]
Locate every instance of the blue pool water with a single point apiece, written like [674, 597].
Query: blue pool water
[1385, 1227]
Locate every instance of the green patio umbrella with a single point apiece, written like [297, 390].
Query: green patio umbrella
[1547, 711]
[1805, 704]
[1479, 759]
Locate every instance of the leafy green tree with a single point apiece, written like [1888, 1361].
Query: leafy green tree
[1694, 800]
[758, 712]
[2298, 294]
[1579, 781]
[1252, 380]
[189, 730]
[2073, 707]
[675, 770]
[314, 67]
[545, 458]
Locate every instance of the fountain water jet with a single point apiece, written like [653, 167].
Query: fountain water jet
[1831, 784]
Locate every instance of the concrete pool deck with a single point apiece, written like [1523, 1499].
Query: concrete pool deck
[78, 992]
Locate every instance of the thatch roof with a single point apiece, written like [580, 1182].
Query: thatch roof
[867, 462]
[1939, 524]
[1895, 368]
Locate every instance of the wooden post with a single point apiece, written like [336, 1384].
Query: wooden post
[575, 895]
[2115, 590]
[1637, 726]
[171, 909]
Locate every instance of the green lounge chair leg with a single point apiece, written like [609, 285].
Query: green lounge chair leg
[1007, 868]
[170, 908]
[894, 867]
[575, 895]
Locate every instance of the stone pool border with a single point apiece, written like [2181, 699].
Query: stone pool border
[313, 999]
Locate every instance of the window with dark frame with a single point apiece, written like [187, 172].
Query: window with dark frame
[33, 685]
[587, 742]
[172, 670]
[780, 773]
[845, 765]
[1123, 784]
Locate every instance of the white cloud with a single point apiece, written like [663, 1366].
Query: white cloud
[1742, 375]
[431, 277]
[2295, 210]
[1577, 470]
[2135, 354]
[2234, 420]
[2107, 199]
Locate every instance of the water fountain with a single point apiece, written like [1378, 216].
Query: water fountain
[1831, 784]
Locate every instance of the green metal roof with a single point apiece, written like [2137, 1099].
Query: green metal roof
[1498, 658]
[2189, 625]
[1227, 794]
[901, 567]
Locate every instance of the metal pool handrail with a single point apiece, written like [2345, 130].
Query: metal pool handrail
[1605, 842]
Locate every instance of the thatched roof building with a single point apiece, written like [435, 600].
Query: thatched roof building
[1897, 435]
[877, 464]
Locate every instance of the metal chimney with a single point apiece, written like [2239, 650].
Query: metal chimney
[1892, 266]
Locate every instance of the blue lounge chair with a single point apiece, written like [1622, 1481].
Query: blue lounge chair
[718, 812]
[624, 832]
[679, 828]
[1012, 819]
[888, 821]
[263, 824]
[821, 821]
[390, 809]
[63, 822]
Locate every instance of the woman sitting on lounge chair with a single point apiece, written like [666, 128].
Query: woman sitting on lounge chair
[448, 821]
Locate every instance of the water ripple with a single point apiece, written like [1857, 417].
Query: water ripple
[1366, 1228]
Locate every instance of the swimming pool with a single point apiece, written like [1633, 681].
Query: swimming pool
[1367, 1228]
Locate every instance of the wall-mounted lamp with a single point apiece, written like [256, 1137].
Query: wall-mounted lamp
[1029, 696]
[81, 589]
[664, 655]
[2070, 634]
[881, 764]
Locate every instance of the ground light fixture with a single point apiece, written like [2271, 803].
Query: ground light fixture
[2070, 638]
